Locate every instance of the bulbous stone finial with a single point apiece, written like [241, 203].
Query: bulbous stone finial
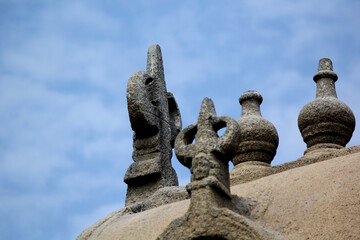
[326, 122]
[259, 138]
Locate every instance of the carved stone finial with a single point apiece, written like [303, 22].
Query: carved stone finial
[325, 64]
[258, 143]
[259, 138]
[326, 122]
[155, 120]
[208, 157]
[212, 213]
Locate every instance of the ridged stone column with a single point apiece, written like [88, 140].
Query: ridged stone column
[258, 143]
[326, 122]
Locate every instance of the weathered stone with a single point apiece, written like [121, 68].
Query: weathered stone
[317, 201]
[259, 138]
[292, 201]
[208, 157]
[212, 213]
[251, 171]
[326, 122]
[155, 120]
[161, 197]
[259, 141]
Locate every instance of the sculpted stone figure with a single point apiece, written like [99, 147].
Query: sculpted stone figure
[155, 120]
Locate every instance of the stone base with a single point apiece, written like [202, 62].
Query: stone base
[249, 171]
[161, 197]
[216, 223]
[323, 147]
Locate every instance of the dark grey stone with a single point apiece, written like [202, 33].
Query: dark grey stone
[326, 122]
[156, 121]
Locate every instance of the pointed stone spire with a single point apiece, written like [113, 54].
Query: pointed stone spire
[155, 120]
[326, 123]
[154, 64]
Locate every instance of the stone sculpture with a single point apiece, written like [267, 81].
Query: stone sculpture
[258, 144]
[298, 207]
[155, 120]
[259, 138]
[326, 123]
[208, 157]
[212, 213]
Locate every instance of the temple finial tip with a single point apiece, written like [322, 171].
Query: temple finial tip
[207, 106]
[325, 64]
[154, 61]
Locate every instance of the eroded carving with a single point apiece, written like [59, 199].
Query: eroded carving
[156, 121]
[258, 144]
[212, 213]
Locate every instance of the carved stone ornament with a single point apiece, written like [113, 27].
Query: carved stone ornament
[155, 120]
[326, 122]
[258, 143]
[212, 213]
[259, 138]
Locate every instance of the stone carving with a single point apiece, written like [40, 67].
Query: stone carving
[259, 138]
[258, 144]
[155, 120]
[212, 213]
[326, 122]
[208, 157]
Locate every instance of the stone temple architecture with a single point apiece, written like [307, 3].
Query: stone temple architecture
[314, 197]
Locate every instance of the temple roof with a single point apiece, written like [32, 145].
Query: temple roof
[316, 201]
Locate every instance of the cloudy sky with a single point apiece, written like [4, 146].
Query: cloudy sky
[66, 141]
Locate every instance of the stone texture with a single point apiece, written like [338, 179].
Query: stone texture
[246, 172]
[305, 199]
[144, 225]
[326, 122]
[249, 171]
[213, 213]
[221, 224]
[258, 143]
[259, 138]
[208, 156]
[161, 197]
[317, 201]
[155, 120]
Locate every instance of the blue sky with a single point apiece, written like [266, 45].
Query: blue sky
[66, 141]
